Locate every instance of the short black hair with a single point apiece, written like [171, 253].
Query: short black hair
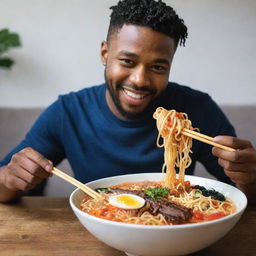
[148, 13]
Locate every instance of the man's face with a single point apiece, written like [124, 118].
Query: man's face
[138, 62]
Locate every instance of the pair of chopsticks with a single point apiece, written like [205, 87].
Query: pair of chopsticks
[205, 139]
[190, 133]
[77, 183]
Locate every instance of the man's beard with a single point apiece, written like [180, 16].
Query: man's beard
[130, 115]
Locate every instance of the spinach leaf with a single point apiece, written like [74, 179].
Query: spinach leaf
[211, 192]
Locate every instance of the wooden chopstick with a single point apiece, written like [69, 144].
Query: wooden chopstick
[206, 139]
[77, 183]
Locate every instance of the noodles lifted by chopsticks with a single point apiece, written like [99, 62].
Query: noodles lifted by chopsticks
[176, 145]
[171, 201]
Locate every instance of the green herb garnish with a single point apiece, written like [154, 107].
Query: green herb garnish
[156, 193]
[99, 190]
[197, 194]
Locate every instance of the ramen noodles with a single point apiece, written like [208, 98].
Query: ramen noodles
[191, 204]
[170, 201]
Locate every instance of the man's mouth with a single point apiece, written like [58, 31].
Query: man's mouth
[136, 96]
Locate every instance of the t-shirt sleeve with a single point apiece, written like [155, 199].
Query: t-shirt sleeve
[213, 123]
[45, 136]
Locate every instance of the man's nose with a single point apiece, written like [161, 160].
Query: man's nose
[140, 77]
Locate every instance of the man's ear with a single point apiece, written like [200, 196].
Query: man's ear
[104, 52]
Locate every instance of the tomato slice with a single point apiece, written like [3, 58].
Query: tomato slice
[215, 216]
[197, 215]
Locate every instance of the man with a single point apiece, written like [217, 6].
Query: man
[108, 129]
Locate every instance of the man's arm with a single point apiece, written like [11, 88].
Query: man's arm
[26, 169]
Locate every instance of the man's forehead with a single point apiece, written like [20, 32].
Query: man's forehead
[132, 36]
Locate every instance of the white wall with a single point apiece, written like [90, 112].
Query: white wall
[61, 41]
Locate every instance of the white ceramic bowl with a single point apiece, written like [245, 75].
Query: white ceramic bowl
[159, 240]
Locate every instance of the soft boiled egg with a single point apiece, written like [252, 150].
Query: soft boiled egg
[127, 201]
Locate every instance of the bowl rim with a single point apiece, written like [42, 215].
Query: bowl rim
[146, 227]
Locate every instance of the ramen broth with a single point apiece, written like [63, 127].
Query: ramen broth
[163, 206]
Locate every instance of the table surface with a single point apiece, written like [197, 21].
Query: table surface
[47, 226]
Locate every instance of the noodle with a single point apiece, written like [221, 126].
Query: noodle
[204, 204]
[104, 210]
[204, 208]
[176, 145]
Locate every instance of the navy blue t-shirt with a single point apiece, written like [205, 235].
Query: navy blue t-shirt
[79, 126]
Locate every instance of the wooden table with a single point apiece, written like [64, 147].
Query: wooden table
[47, 226]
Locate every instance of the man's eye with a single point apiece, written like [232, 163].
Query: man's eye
[159, 68]
[127, 61]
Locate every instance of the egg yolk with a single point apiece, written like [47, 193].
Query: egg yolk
[128, 200]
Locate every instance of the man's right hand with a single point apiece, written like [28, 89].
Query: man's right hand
[26, 169]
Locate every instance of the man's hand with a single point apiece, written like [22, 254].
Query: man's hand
[239, 166]
[26, 169]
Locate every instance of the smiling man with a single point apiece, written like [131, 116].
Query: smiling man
[108, 129]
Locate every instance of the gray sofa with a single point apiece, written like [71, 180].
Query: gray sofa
[16, 121]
